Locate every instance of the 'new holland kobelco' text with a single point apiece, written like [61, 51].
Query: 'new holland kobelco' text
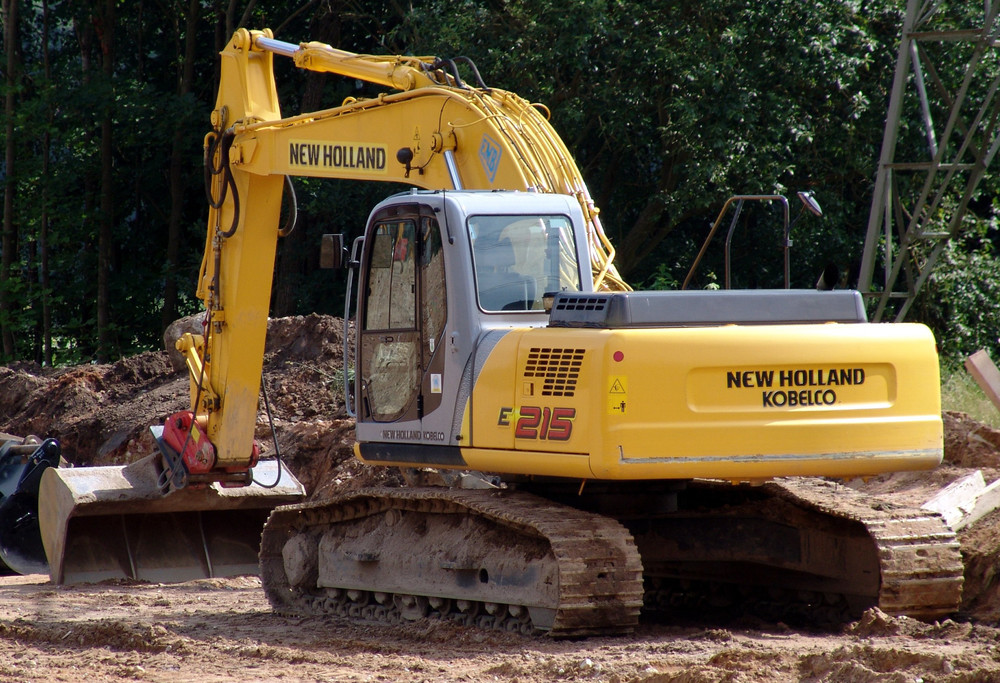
[796, 387]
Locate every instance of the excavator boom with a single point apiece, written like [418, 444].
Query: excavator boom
[437, 133]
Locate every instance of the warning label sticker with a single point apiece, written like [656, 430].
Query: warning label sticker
[617, 396]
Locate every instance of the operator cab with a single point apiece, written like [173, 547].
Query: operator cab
[441, 274]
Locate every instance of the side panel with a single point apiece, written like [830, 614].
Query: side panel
[518, 423]
[757, 402]
[738, 403]
[536, 391]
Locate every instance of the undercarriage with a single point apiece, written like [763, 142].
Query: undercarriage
[587, 562]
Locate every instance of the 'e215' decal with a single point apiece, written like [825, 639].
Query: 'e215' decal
[533, 422]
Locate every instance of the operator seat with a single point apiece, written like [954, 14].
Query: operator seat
[501, 288]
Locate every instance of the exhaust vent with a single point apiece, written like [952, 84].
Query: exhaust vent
[558, 369]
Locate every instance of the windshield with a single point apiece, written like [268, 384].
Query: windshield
[518, 259]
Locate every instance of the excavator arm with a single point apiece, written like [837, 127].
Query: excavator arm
[435, 132]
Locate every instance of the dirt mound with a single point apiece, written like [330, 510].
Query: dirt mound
[971, 445]
[968, 446]
[968, 443]
[101, 414]
[94, 409]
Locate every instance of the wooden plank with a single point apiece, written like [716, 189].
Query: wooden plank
[958, 499]
[986, 502]
[965, 501]
[986, 374]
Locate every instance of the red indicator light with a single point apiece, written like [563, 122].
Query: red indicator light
[619, 356]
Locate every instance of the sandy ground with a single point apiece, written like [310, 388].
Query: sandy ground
[224, 629]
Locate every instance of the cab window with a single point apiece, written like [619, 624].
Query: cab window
[519, 258]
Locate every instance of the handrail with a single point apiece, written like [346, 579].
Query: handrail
[725, 207]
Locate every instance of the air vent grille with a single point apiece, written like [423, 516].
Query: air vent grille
[581, 303]
[558, 369]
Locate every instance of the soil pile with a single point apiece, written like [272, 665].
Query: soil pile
[101, 414]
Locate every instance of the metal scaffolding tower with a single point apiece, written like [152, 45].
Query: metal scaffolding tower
[947, 70]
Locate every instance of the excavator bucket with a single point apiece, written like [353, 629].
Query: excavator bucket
[100, 523]
[22, 462]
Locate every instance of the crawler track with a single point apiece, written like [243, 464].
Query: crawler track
[809, 550]
[497, 559]
[919, 558]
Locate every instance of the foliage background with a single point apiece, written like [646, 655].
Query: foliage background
[670, 107]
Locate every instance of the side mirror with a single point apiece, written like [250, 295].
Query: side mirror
[829, 279]
[332, 251]
[808, 200]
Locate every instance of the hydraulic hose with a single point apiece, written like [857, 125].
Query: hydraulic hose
[274, 436]
[212, 147]
[475, 71]
[227, 143]
[293, 210]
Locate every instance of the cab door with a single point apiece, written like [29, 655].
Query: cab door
[390, 349]
[402, 319]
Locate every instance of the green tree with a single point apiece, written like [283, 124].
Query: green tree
[668, 108]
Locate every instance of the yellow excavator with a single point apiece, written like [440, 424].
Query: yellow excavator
[576, 452]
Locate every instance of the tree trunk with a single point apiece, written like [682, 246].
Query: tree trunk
[104, 242]
[84, 29]
[651, 227]
[231, 23]
[9, 240]
[43, 233]
[176, 174]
